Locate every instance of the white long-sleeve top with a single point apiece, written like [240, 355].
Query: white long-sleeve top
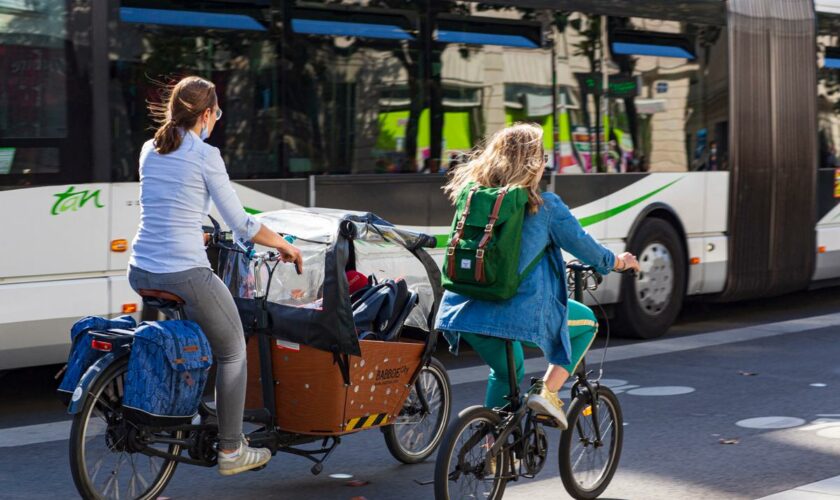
[175, 193]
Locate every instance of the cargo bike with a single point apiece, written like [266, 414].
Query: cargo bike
[311, 378]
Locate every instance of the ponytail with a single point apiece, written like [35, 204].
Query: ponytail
[168, 138]
[180, 108]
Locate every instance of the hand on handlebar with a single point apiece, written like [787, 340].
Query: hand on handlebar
[626, 262]
[291, 254]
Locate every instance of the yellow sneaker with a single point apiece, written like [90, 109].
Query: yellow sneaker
[545, 402]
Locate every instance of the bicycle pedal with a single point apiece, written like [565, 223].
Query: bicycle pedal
[546, 420]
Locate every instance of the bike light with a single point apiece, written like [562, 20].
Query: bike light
[129, 308]
[587, 411]
[119, 245]
[101, 345]
[821, 249]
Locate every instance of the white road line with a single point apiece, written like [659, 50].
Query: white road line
[57, 431]
[34, 434]
[825, 489]
[665, 346]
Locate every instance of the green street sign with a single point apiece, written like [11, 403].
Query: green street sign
[619, 86]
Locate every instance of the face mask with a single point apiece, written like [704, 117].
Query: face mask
[203, 134]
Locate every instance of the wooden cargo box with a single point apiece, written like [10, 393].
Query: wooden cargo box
[310, 394]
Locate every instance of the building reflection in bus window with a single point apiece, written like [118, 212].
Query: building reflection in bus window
[495, 70]
[152, 46]
[666, 103]
[665, 108]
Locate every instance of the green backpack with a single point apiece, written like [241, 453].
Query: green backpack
[482, 255]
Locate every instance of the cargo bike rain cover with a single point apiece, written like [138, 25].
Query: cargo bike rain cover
[314, 308]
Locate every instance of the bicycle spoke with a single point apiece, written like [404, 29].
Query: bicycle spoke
[415, 429]
[591, 462]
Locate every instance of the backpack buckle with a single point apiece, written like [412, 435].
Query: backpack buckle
[488, 228]
[450, 251]
[460, 225]
[479, 254]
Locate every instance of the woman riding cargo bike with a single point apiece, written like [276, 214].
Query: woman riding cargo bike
[321, 362]
[505, 281]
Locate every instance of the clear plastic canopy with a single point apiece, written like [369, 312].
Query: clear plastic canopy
[376, 248]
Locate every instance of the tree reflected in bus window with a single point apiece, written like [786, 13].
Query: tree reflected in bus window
[354, 88]
[152, 47]
[44, 93]
[828, 90]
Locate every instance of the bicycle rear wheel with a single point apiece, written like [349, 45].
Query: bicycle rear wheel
[461, 471]
[103, 460]
[587, 465]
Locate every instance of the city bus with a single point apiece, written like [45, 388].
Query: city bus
[701, 135]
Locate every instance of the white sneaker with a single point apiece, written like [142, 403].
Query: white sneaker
[245, 458]
[545, 402]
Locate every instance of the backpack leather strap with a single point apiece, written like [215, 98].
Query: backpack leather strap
[459, 232]
[488, 233]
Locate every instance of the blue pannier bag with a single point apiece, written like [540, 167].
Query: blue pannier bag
[167, 371]
[82, 355]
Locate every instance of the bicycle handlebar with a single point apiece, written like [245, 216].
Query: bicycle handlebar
[226, 240]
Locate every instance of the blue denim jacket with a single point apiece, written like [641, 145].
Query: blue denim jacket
[537, 313]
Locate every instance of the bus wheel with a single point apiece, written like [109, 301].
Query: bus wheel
[651, 301]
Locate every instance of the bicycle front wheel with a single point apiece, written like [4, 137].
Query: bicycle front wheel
[588, 464]
[461, 470]
[103, 459]
[415, 433]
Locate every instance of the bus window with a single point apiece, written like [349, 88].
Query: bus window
[44, 86]
[494, 71]
[678, 118]
[354, 90]
[828, 87]
[153, 45]
[663, 105]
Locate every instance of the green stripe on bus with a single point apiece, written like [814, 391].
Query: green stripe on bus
[443, 239]
[595, 218]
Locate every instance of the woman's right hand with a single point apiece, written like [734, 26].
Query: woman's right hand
[626, 261]
[290, 253]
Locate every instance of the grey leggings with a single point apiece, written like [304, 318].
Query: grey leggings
[210, 304]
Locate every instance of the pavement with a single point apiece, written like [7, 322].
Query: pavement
[739, 401]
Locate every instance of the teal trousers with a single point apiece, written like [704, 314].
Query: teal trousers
[582, 330]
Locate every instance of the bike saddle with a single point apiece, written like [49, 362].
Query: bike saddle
[160, 299]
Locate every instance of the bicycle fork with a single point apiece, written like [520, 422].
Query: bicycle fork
[592, 391]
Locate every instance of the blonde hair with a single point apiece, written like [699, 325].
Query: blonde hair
[512, 157]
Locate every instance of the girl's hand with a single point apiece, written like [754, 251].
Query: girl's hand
[625, 262]
[291, 253]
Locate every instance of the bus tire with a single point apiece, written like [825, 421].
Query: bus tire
[651, 301]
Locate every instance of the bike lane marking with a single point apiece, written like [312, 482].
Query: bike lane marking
[34, 434]
[825, 489]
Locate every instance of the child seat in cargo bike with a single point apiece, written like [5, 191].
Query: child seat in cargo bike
[326, 380]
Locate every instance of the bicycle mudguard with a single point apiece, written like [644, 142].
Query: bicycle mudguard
[80, 394]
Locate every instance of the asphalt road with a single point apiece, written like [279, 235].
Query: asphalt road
[769, 388]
